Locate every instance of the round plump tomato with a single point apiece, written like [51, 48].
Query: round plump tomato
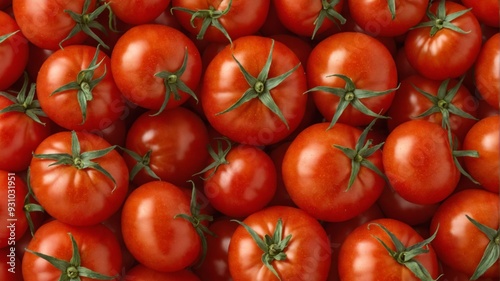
[296, 246]
[234, 18]
[315, 167]
[14, 224]
[78, 178]
[485, 11]
[484, 137]
[143, 273]
[171, 146]
[78, 250]
[138, 12]
[253, 91]
[418, 162]
[460, 243]
[487, 71]
[155, 73]
[439, 52]
[354, 77]
[387, 18]
[77, 91]
[363, 255]
[14, 51]
[151, 232]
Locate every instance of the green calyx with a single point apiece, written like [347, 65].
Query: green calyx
[362, 150]
[86, 22]
[84, 84]
[30, 207]
[327, 12]
[441, 20]
[391, 4]
[210, 17]
[219, 157]
[78, 159]
[72, 270]
[273, 247]
[406, 255]
[3, 38]
[492, 251]
[351, 96]
[24, 103]
[173, 84]
[142, 163]
[261, 86]
[461, 153]
[196, 219]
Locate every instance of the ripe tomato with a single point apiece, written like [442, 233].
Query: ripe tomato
[77, 91]
[14, 51]
[484, 137]
[487, 71]
[437, 51]
[365, 246]
[98, 250]
[418, 162]
[253, 91]
[236, 186]
[155, 73]
[143, 273]
[315, 166]
[485, 11]
[138, 12]
[172, 244]
[296, 247]
[459, 243]
[78, 178]
[366, 91]
[13, 190]
[173, 145]
[387, 18]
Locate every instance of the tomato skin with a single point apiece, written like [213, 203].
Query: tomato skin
[312, 168]
[240, 188]
[172, 243]
[141, 52]
[10, 265]
[63, 67]
[14, 223]
[138, 12]
[57, 24]
[375, 17]
[447, 54]
[487, 71]
[14, 52]
[78, 196]
[143, 273]
[459, 243]
[244, 17]
[485, 11]
[253, 123]
[98, 247]
[360, 246]
[307, 255]
[178, 141]
[363, 59]
[484, 137]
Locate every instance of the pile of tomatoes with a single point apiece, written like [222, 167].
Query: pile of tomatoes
[249, 140]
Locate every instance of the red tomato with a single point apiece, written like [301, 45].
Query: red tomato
[366, 64]
[78, 178]
[97, 246]
[152, 72]
[172, 244]
[459, 243]
[363, 257]
[68, 77]
[266, 108]
[236, 186]
[296, 248]
[315, 167]
[387, 18]
[138, 12]
[484, 137]
[143, 273]
[13, 190]
[438, 52]
[14, 51]
[418, 162]
[236, 17]
[10, 265]
[177, 140]
[485, 11]
[487, 71]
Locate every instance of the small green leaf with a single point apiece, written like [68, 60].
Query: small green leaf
[327, 12]
[491, 254]
[7, 36]
[391, 4]
[142, 162]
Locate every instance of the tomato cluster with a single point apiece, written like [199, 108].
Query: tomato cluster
[249, 140]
